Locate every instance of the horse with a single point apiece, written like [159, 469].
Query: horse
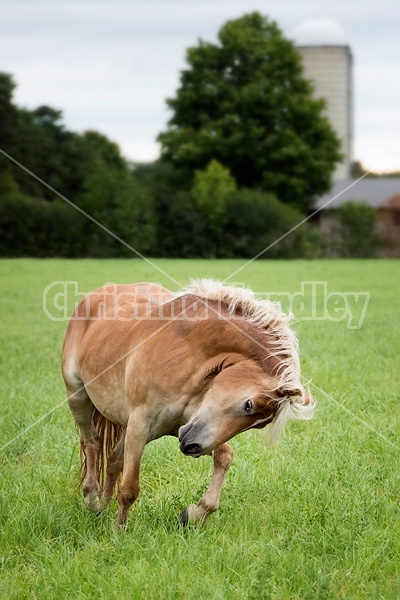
[203, 365]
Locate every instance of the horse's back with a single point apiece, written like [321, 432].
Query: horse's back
[101, 303]
[99, 312]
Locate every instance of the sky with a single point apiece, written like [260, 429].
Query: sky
[109, 65]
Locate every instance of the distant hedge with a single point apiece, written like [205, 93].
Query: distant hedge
[171, 226]
[32, 227]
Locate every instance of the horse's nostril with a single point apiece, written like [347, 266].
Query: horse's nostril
[184, 430]
[191, 448]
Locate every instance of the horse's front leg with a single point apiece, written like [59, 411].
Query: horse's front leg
[135, 441]
[209, 503]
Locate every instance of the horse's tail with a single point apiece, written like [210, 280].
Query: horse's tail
[109, 434]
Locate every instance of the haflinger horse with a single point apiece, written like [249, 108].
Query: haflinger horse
[140, 362]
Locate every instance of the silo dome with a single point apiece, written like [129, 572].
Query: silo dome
[319, 32]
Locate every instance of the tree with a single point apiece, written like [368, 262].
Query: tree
[87, 169]
[8, 118]
[244, 102]
[46, 148]
[104, 169]
[132, 217]
[211, 189]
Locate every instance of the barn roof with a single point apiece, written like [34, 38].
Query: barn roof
[375, 191]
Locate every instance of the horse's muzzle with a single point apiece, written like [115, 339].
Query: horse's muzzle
[191, 449]
[187, 444]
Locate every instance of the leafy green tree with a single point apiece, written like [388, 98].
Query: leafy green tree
[49, 149]
[211, 189]
[132, 217]
[8, 119]
[46, 148]
[8, 111]
[154, 175]
[244, 102]
[103, 170]
[111, 194]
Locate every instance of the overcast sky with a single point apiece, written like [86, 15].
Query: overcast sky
[109, 65]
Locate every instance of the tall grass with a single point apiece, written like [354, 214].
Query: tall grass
[318, 517]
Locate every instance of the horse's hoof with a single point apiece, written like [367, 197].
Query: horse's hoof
[184, 517]
[94, 504]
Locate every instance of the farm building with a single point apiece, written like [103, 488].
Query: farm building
[327, 62]
[382, 193]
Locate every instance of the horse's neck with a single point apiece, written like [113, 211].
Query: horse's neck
[236, 335]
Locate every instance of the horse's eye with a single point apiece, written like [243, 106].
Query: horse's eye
[248, 407]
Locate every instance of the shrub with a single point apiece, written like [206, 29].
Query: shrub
[357, 234]
[35, 227]
[256, 220]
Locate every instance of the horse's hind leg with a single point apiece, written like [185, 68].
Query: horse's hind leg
[114, 469]
[209, 503]
[82, 410]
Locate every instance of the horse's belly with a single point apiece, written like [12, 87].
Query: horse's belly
[109, 397]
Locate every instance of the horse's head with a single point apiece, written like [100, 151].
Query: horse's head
[241, 396]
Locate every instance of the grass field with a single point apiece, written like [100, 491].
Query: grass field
[316, 518]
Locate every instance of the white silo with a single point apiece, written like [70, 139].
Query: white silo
[327, 62]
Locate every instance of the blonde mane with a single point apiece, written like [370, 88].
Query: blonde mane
[267, 316]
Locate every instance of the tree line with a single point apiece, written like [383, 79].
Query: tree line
[245, 153]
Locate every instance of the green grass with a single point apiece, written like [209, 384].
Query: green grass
[318, 517]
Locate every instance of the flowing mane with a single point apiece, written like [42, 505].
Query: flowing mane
[269, 317]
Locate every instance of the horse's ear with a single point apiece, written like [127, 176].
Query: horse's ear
[212, 371]
[284, 392]
[308, 399]
[219, 363]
